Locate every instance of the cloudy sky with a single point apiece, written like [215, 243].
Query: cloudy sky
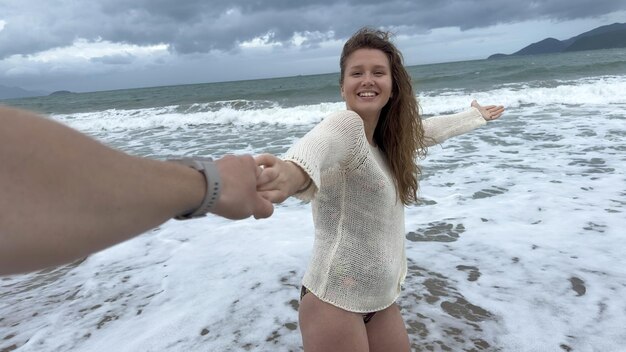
[112, 44]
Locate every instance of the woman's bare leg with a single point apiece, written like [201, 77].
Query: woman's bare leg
[326, 328]
[386, 331]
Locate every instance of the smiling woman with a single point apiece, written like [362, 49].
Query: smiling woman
[366, 85]
[358, 167]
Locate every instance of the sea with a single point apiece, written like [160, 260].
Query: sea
[518, 241]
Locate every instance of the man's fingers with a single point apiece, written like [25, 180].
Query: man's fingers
[266, 160]
[263, 208]
[273, 196]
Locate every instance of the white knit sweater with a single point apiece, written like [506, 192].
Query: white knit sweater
[358, 261]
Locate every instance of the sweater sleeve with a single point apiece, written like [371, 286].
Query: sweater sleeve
[439, 128]
[334, 142]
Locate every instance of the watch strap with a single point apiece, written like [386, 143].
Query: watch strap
[208, 169]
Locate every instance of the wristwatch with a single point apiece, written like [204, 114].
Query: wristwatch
[208, 169]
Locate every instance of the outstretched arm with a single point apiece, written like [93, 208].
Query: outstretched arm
[488, 112]
[331, 143]
[440, 128]
[65, 195]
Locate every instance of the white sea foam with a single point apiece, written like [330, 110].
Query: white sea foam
[589, 91]
[169, 117]
[532, 206]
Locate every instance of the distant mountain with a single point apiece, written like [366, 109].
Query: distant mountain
[605, 37]
[546, 46]
[17, 92]
[615, 39]
[60, 92]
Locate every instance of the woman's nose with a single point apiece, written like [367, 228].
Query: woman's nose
[367, 79]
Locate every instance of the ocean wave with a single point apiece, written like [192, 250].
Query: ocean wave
[602, 90]
[174, 117]
[587, 91]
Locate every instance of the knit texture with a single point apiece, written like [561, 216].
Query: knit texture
[358, 261]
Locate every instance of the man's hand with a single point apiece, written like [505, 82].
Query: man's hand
[239, 198]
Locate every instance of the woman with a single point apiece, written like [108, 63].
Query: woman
[359, 169]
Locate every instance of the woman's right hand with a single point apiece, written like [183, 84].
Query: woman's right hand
[279, 179]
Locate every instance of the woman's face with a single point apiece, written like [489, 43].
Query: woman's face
[367, 83]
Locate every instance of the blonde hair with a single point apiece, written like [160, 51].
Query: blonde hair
[399, 132]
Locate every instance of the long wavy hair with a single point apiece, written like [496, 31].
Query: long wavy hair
[399, 132]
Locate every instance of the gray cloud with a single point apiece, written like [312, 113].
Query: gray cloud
[198, 26]
[114, 59]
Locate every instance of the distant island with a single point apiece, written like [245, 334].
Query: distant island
[604, 37]
[61, 92]
[17, 92]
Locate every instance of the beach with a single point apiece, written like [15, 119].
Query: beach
[517, 243]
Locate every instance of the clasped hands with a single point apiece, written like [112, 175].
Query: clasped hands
[251, 185]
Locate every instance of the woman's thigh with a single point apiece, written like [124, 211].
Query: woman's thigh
[386, 331]
[327, 328]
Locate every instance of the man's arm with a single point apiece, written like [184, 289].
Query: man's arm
[64, 195]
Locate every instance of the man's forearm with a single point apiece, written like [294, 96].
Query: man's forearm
[64, 195]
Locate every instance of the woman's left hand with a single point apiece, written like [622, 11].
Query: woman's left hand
[489, 112]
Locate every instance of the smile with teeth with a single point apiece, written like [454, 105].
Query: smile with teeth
[367, 94]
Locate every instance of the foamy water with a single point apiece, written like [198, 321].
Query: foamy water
[517, 245]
